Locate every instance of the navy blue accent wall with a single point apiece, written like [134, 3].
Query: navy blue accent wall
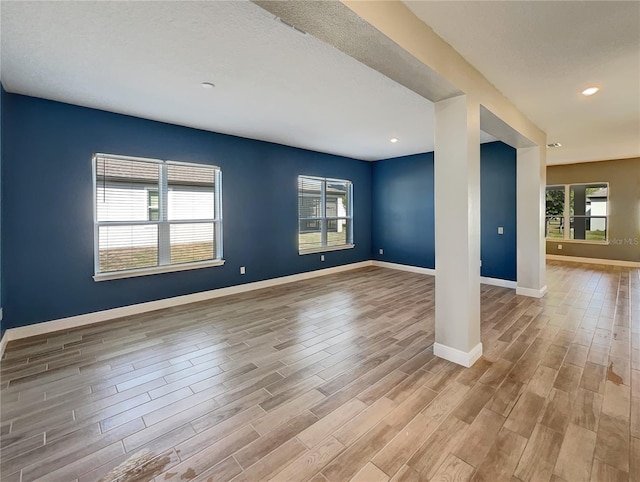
[498, 208]
[403, 210]
[47, 207]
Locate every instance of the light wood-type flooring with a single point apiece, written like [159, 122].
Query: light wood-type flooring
[334, 379]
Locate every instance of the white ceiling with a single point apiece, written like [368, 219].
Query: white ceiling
[148, 59]
[272, 83]
[542, 54]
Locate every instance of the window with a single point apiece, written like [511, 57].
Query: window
[155, 216]
[325, 219]
[578, 212]
[152, 202]
[555, 212]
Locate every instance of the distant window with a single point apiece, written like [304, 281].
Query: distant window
[555, 212]
[325, 220]
[578, 212]
[152, 202]
[154, 216]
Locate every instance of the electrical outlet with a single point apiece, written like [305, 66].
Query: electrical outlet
[559, 246]
[242, 270]
[322, 257]
[500, 230]
[381, 251]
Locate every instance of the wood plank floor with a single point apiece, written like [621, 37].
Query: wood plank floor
[334, 379]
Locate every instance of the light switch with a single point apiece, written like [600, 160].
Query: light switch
[500, 230]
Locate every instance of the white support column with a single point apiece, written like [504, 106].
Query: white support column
[457, 219]
[531, 186]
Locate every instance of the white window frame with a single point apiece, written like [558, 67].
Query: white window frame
[163, 223]
[566, 215]
[324, 218]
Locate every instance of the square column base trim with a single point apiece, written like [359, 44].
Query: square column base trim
[532, 292]
[466, 359]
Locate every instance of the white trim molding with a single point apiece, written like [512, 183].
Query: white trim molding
[466, 359]
[3, 343]
[166, 268]
[577, 241]
[608, 262]
[405, 267]
[503, 283]
[106, 315]
[532, 292]
[325, 249]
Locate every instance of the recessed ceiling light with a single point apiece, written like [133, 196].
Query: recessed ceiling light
[394, 140]
[555, 144]
[207, 85]
[590, 91]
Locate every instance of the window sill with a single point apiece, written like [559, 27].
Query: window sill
[577, 241]
[324, 249]
[132, 273]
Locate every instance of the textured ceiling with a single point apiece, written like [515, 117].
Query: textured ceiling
[273, 83]
[337, 25]
[541, 55]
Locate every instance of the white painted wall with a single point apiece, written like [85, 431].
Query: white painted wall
[457, 232]
[531, 214]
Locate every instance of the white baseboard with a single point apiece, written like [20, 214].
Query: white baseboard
[466, 359]
[3, 343]
[105, 315]
[532, 292]
[503, 283]
[405, 267]
[432, 272]
[608, 262]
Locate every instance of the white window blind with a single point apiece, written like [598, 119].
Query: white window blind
[151, 213]
[324, 214]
